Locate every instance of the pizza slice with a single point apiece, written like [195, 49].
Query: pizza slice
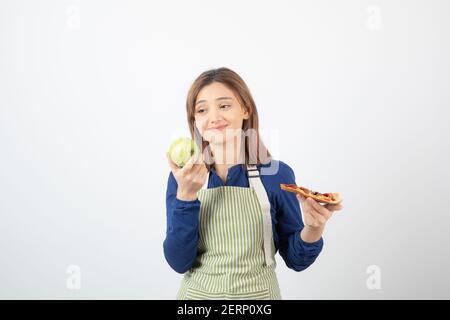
[332, 198]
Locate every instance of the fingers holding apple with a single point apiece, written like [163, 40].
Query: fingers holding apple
[190, 180]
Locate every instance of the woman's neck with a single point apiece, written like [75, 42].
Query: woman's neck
[225, 156]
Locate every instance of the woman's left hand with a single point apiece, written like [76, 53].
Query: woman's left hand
[316, 215]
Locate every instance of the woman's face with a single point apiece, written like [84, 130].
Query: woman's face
[218, 114]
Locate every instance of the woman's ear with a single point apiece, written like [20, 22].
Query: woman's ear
[246, 115]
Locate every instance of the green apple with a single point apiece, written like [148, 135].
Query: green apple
[182, 149]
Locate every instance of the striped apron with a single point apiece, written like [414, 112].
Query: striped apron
[235, 257]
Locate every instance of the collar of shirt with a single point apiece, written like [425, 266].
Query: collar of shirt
[236, 176]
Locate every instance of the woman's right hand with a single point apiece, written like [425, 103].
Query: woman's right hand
[190, 178]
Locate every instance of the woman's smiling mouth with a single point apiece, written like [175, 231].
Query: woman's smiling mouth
[220, 128]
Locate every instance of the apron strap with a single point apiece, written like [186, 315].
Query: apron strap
[205, 185]
[254, 181]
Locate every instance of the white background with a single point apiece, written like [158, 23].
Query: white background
[353, 95]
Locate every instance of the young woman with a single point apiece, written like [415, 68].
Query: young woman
[226, 213]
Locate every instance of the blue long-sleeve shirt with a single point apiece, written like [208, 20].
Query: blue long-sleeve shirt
[182, 235]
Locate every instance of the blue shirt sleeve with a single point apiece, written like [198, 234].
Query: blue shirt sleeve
[297, 254]
[182, 234]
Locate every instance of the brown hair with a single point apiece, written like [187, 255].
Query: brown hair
[253, 148]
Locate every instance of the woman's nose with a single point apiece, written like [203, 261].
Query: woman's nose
[214, 117]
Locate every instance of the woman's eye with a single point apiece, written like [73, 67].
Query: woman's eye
[225, 105]
[200, 110]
